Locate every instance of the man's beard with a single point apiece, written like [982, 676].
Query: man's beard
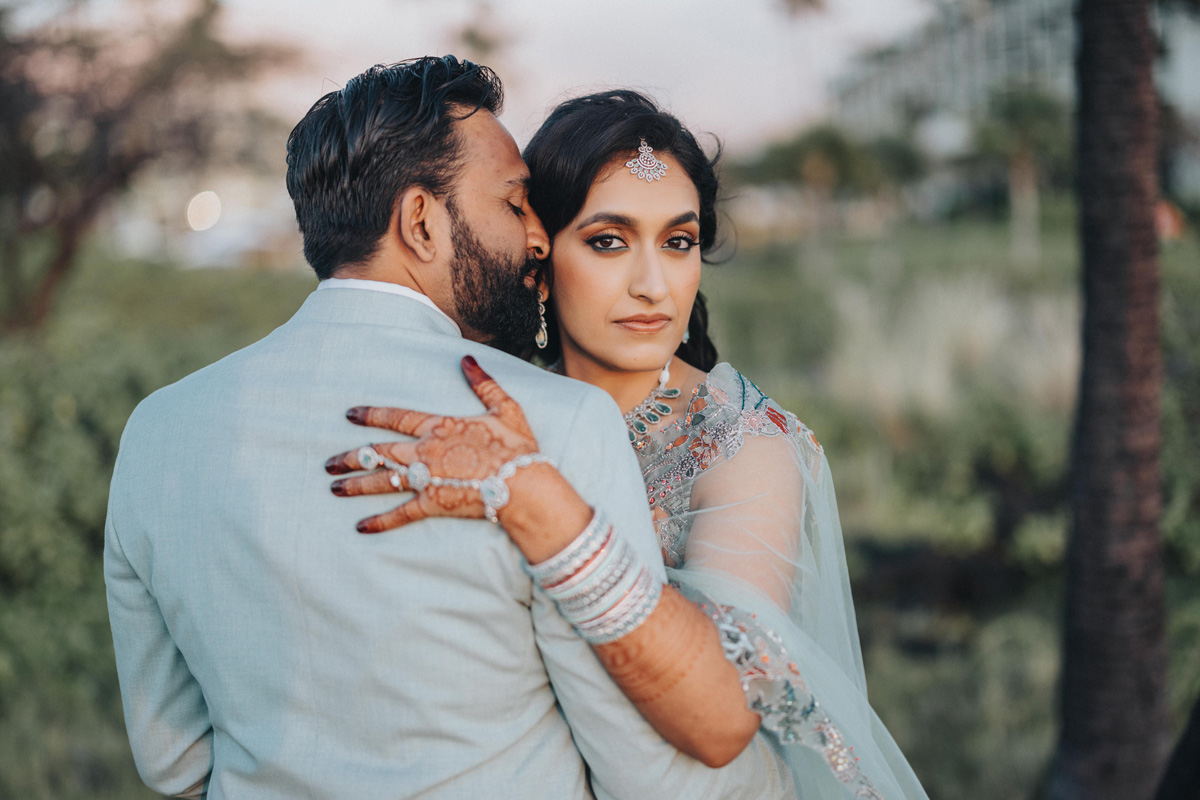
[491, 296]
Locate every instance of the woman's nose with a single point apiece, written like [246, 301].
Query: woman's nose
[649, 280]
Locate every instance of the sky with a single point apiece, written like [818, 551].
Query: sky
[740, 69]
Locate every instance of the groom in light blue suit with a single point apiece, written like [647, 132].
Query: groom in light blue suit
[267, 650]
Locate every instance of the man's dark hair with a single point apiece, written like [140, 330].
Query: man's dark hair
[359, 148]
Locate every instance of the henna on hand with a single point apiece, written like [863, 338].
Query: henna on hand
[451, 447]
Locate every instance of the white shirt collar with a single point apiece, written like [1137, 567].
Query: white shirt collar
[389, 288]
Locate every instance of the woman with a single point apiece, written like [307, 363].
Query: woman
[741, 492]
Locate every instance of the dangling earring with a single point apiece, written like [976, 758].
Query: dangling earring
[543, 337]
[687, 335]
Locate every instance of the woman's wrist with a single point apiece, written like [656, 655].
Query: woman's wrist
[599, 583]
[544, 513]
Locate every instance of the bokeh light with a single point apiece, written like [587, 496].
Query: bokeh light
[203, 211]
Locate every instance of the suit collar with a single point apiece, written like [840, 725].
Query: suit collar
[369, 307]
[383, 286]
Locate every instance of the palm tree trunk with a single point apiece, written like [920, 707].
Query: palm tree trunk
[1115, 732]
[1183, 771]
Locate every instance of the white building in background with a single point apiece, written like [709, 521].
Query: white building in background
[947, 71]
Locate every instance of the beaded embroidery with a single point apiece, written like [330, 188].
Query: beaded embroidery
[775, 690]
[639, 419]
[713, 430]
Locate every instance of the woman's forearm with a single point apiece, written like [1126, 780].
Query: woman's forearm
[672, 666]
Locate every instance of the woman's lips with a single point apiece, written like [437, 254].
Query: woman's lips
[652, 323]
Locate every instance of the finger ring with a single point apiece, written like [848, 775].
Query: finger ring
[368, 458]
[394, 480]
[418, 476]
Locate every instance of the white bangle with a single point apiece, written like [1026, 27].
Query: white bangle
[599, 584]
[581, 550]
[631, 611]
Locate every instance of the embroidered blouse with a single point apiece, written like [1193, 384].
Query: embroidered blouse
[745, 513]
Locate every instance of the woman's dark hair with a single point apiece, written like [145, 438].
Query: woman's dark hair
[359, 148]
[584, 135]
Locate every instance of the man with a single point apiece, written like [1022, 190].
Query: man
[267, 650]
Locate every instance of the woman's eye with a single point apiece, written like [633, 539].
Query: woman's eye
[682, 243]
[605, 243]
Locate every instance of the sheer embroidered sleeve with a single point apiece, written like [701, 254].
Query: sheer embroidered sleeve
[749, 527]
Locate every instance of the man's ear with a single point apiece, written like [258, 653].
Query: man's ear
[418, 221]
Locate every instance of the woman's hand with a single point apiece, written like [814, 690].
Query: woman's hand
[450, 447]
[543, 514]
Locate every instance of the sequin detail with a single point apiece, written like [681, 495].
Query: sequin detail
[723, 410]
[775, 690]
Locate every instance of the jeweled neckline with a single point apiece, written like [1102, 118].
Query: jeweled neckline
[651, 410]
[687, 418]
[682, 422]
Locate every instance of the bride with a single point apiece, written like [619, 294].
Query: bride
[756, 631]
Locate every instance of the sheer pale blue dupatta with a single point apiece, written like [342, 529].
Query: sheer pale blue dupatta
[748, 520]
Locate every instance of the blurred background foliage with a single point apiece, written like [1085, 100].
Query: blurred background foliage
[928, 336]
[953, 504]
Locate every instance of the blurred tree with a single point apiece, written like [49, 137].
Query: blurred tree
[83, 111]
[1188, 5]
[1183, 771]
[1029, 130]
[900, 160]
[825, 163]
[1115, 733]
[482, 37]
[823, 158]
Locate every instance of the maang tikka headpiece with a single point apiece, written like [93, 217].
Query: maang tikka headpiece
[646, 165]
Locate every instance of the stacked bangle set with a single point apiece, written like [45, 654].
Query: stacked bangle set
[599, 583]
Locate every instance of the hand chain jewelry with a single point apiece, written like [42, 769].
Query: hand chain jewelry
[493, 490]
[639, 419]
[599, 583]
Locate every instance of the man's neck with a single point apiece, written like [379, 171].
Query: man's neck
[381, 274]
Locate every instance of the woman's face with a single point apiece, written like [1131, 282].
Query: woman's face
[626, 270]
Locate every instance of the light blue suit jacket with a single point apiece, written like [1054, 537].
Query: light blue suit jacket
[267, 650]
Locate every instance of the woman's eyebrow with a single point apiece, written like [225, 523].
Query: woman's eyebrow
[607, 217]
[687, 216]
[611, 218]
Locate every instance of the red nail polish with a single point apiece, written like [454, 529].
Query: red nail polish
[361, 527]
[338, 488]
[471, 370]
[355, 414]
